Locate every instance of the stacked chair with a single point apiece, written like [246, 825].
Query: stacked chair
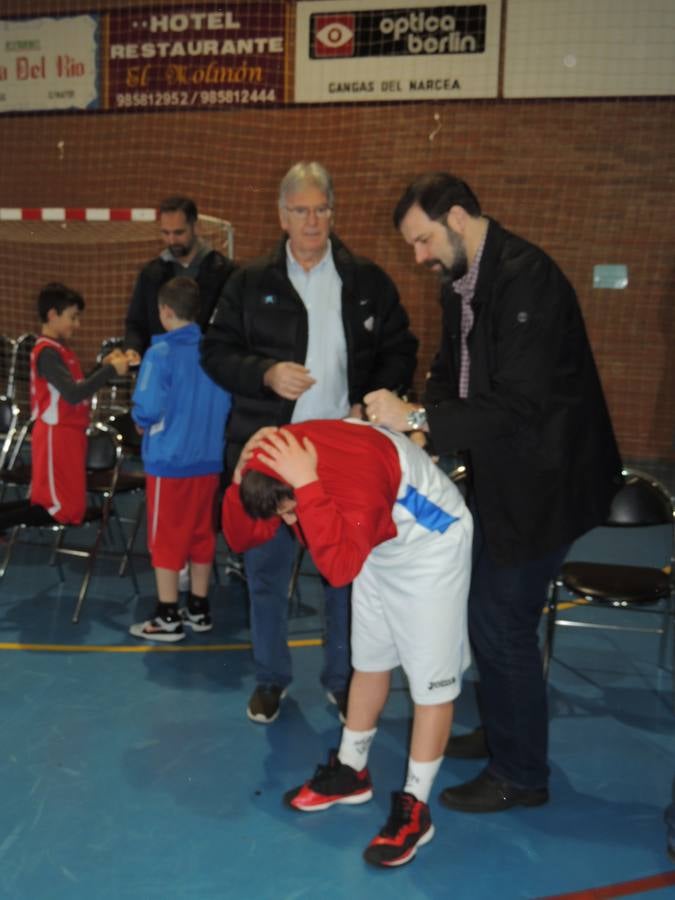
[108, 473]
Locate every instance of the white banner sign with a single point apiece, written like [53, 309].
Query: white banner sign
[589, 48]
[48, 64]
[348, 51]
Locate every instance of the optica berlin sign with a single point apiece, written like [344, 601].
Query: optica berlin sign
[395, 51]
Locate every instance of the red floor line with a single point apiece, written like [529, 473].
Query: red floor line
[623, 889]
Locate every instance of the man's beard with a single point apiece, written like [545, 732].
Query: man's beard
[178, 251]
[460, 263]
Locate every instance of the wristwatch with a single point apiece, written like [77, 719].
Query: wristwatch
[417, 418]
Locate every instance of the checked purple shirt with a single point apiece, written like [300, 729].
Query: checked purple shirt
[465, 287]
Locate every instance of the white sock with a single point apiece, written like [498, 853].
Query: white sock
[420, 777]
[354, 748]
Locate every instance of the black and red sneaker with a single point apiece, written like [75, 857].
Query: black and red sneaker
[331, 784]
[408, 827]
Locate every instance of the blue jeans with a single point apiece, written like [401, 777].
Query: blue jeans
[505, 606]
[268, 572]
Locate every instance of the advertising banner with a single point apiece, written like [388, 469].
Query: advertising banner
[49, 64]
[206, 56]
[573, 48]
[348, 51]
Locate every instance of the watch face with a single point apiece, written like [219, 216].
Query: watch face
[417, 418]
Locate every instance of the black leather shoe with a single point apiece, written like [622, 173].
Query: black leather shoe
[487, 793]
[468, 746]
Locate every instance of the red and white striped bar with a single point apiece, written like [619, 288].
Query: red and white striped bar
[76, 214]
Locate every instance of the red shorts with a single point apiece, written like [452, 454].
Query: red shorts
[59, 480]
[181, 520]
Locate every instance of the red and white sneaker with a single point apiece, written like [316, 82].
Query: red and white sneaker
[331, 784]
[408, 827]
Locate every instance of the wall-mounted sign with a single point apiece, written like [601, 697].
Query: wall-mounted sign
[348, 51]
[614, 277]
[208, 56]
[578, 48]
[49, 64]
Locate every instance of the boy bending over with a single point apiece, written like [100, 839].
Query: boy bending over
[372, 508]
[182, 414]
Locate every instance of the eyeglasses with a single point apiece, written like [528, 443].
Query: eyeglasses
[304, 212]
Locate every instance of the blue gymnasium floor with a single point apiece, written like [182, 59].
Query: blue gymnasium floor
[130, 771]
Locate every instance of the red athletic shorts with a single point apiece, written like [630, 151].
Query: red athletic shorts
[58, 473]
[181, 520]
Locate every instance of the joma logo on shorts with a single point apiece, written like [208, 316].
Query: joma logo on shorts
[437, 684]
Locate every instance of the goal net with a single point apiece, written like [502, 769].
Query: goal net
[97, 252]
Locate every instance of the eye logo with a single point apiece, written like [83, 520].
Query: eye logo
[333, 35]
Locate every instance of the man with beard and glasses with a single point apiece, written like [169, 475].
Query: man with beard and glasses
[513, 386]
[185, 253]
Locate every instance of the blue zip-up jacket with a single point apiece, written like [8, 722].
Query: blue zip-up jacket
[181, 410]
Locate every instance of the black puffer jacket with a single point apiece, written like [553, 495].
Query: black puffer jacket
[142, 319]
[260, 320]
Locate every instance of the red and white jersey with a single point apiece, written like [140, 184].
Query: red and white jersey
[376, 492]
[47, 404]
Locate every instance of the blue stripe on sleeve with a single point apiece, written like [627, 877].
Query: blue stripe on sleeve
[426, 513]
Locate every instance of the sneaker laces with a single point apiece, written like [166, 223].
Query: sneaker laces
[326, 771]
[401, 813]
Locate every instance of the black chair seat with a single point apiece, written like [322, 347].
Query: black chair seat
[20, 474]
[104, 455]
[98, 482]
[130, 481]
[92, 514]
[641, 503]
[616, 585]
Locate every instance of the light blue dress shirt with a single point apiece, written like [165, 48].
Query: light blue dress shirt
[320, 289]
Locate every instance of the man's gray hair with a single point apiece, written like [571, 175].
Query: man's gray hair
[303, 174]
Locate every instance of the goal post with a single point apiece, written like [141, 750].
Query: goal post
[97, 251]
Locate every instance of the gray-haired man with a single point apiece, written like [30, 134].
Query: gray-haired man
[302, 333]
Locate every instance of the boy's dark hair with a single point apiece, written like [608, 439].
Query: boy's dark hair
[261, 494]
[180, 204]
[181, 294]
[435, 194]
[59, 297]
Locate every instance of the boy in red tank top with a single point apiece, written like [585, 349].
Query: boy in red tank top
[60, 397]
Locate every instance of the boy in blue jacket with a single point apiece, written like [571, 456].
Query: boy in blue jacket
[182, 416]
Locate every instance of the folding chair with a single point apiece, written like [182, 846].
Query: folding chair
[114, 398]
[9, 417]
[14, 472]
[20, 376]
[7, 355]
[642, 503]
[104, 452]
[131, 481]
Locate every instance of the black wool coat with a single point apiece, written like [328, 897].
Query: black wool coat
[542, 456]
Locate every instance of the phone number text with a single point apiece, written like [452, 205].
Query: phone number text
[194, 98]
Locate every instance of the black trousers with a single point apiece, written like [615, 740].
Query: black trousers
[505, 607]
